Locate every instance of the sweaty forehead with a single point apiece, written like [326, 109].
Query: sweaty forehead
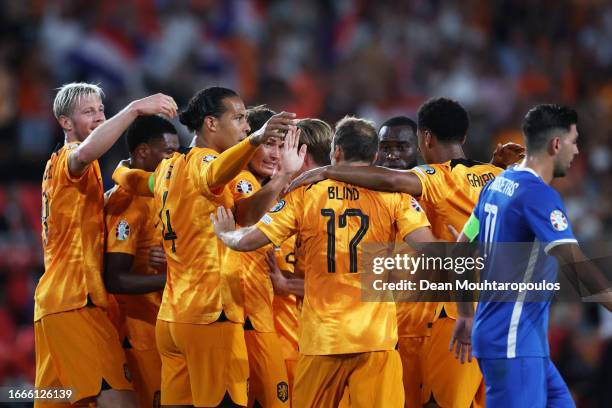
[234, 105]
[398, 134]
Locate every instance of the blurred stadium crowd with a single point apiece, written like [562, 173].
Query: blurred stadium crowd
[319, 59]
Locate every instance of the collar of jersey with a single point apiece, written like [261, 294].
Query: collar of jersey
[528, 169]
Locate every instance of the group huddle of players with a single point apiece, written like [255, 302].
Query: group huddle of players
[151, 288]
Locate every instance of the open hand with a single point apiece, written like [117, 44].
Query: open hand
[291, 158]
[223, 222]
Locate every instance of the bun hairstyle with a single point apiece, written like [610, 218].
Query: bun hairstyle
[207, 102]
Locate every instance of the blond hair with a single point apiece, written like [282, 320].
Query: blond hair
[68, 95]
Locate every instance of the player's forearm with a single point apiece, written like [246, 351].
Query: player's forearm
[236, 239]
[126, 283]
[376, 178]
[296, 286]
[135, 181]
[229, 163]
[101, 139]
[250, 210]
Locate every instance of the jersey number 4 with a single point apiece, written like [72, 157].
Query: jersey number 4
[168, 233]
[342, 223]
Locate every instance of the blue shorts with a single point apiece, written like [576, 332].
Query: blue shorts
[524, 382]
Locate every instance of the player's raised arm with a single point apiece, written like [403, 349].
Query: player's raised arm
[250, 209]
[229, 163]
[574, 263]
[372, 177]
[135, 181]
[243, 239]
[105, 135]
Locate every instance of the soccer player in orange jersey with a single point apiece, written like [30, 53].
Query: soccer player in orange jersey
[131, 232]
[447, 188]
[270, 167]
[77, 347]
[344, 341]
[202, 300]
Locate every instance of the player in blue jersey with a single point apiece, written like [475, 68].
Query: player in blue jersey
[509, 335]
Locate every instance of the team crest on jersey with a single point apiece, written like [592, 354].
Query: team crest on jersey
[244, 187]
[415, 204]
[428, 169]
[282, 391]
[122, 232]
[279, 206]
[558, 220]
[208, 158]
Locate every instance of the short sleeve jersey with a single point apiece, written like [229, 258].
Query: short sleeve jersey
[450, 192]
[518, 207]
[72, 237]
[196, 290]
[331, 220]
[131, 229]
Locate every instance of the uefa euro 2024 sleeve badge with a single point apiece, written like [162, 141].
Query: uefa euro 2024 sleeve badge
[122, 232]
[558, 220]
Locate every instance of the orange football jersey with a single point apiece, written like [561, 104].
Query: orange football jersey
[285, 308]
[332, 221]
[197, 288]
[72, 237]
[131, 229]
[450, 192]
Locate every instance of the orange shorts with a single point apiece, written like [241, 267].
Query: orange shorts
[411, 352]
[79, 349]
[143, 360]
[445, 379]
[268, 382]
[374, 379]
[201, 362]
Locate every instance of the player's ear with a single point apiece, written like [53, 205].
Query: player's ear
[338, 154]
[65, 123]
[143, 150]
[555, 145]
[210, 123]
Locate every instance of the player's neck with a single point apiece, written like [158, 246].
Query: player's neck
[544, 168]
[71, 138]
[200, 141]
[446, 152]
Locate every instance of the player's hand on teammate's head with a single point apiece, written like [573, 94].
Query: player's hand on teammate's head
[155, 105]
[292, 156]
[507, 154]
[461, 340]
[308, 177]
[224, 221]
[279, 281]
[277, 126]
[157, 258]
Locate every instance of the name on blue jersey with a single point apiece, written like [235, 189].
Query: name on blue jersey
[504, 186]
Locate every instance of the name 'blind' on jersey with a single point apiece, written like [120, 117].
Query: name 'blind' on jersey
[332, 220]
